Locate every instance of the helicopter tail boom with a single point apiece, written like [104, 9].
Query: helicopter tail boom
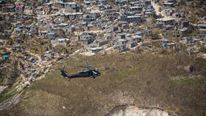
[64, 73]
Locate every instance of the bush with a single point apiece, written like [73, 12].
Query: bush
[200, 66]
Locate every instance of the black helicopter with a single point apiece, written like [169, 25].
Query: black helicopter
[87, 72]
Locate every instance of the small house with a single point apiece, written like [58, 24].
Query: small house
[88, 2]
[90, 17]
[138, 36]
[51, 35]
[59, 41]
[165, 43]
[202, 29]
[87, 37]
[131, 19]
[169, 3]
[147, 3]
[74, 16]
[104, 7]
[121, 45]
[73, 6]
[149, 10]
[44, 1]
[187, 40]
[8, 7]
[48, 55]
[121, 2]
[136, 9]
[95, 49]
[131, 42]
[185, 28]
[172, 45]
[43, 33]
[101, 2]
[111, 14]
[166, 22]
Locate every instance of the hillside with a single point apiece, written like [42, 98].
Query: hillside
[143, 80]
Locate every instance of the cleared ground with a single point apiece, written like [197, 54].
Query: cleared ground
[144, 80]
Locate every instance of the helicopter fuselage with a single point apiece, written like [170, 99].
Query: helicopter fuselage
[85, 73]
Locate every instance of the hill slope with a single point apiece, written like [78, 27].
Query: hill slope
[143, 80]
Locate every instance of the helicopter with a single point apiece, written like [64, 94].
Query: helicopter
[89, 71]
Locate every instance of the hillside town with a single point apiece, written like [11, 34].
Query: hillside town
[93, 27]
[101, 26]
